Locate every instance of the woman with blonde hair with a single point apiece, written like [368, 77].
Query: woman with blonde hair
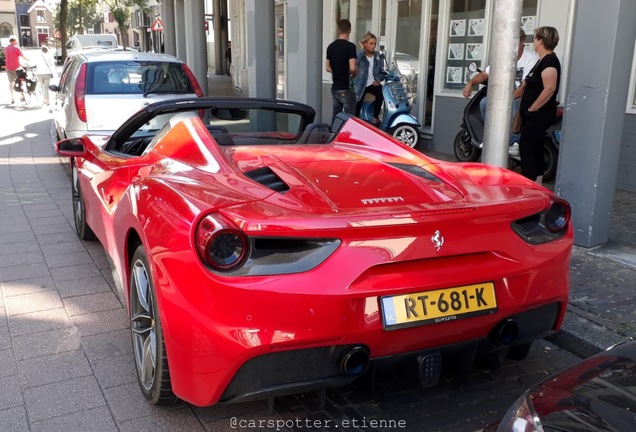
[370, 73]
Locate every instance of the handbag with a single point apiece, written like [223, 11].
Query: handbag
[516, 122]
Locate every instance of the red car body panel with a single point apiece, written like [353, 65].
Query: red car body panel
[384, 217]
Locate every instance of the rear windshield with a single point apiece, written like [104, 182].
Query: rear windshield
[137, 77]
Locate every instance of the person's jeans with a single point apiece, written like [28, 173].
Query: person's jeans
[343, 100]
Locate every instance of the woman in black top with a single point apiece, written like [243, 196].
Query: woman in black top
[538, 103]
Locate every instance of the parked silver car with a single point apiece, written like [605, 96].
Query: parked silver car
[98, 91]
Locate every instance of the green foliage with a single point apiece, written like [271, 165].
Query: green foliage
[120, 10]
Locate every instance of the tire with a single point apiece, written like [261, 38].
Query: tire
[551, 158]
[406, 133]
[26, 96]
[83, 231]
[149, 351]
[464, 149]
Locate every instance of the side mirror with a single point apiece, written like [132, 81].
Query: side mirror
[472, 68]
[71, 147]
[54, 88]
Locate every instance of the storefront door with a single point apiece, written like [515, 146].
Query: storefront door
[410, 34]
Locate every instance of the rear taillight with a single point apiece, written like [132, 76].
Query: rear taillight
[221, 246]
[80, 93]
[193, 80]
[546, 226]
[556, 218]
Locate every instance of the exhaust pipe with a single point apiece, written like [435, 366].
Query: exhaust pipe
[505, 332]
[354, 361]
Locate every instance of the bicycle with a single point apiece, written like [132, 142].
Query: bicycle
[26, 84]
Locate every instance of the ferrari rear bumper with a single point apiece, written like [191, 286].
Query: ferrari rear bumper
[288, 372]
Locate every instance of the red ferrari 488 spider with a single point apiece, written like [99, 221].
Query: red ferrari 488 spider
[262, 254]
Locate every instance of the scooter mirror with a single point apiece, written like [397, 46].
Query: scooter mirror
[472, 68]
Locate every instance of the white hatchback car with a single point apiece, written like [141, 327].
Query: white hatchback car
[99, 90]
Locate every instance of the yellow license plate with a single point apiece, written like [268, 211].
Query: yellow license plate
[430, 307]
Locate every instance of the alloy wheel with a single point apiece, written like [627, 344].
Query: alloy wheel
[142, 323]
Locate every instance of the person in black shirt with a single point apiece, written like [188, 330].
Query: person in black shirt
[538, 103]
[341, 62]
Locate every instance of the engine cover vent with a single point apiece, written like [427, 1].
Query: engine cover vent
[268, 178]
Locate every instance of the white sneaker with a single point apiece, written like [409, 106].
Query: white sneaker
[513, 150]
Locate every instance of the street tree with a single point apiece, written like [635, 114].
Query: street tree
[120, 10]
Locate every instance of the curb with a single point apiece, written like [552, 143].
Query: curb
[584, 335]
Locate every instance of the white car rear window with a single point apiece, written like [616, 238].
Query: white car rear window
[137, 77]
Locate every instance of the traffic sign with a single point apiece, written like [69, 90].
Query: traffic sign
[157, 25]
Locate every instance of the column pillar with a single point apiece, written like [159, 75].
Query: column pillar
[599, 77]
[168, 18]
[261, 65]
[196, 43]
[304, 47]
[180, 29]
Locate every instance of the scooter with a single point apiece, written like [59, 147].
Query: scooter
[396, 118]
[468, 141]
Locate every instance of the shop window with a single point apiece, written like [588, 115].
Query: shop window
[364, 14]
[465, 38]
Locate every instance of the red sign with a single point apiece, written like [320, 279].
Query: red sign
[157, 25]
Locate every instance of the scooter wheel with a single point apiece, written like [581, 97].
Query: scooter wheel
[464, 149]
[406, 133]
[551, 157]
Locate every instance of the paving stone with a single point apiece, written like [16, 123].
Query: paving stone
[35, 213]
[36, 322]
[7, 363]
[20, 259]
[54, 228]
[126, 402]
[61, 248]
[46, 343]
[18, 237]
[74, 272]
[67, 259]
[93, 420]
[5, 337]
[87, 304]
[78, 287]
[113, 371]
[53, 368]
[57, 238]
[67, 397]
[106, 345]
[27, 286]
[36, 302]
[101, 322]
[42, 222]
[10, 393]
[17, 272]
[164, 421]
[14, 420]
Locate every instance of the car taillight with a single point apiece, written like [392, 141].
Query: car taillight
[80, 93]
[221, 246]
[557, 216]
[193, 81]
[548, 225]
